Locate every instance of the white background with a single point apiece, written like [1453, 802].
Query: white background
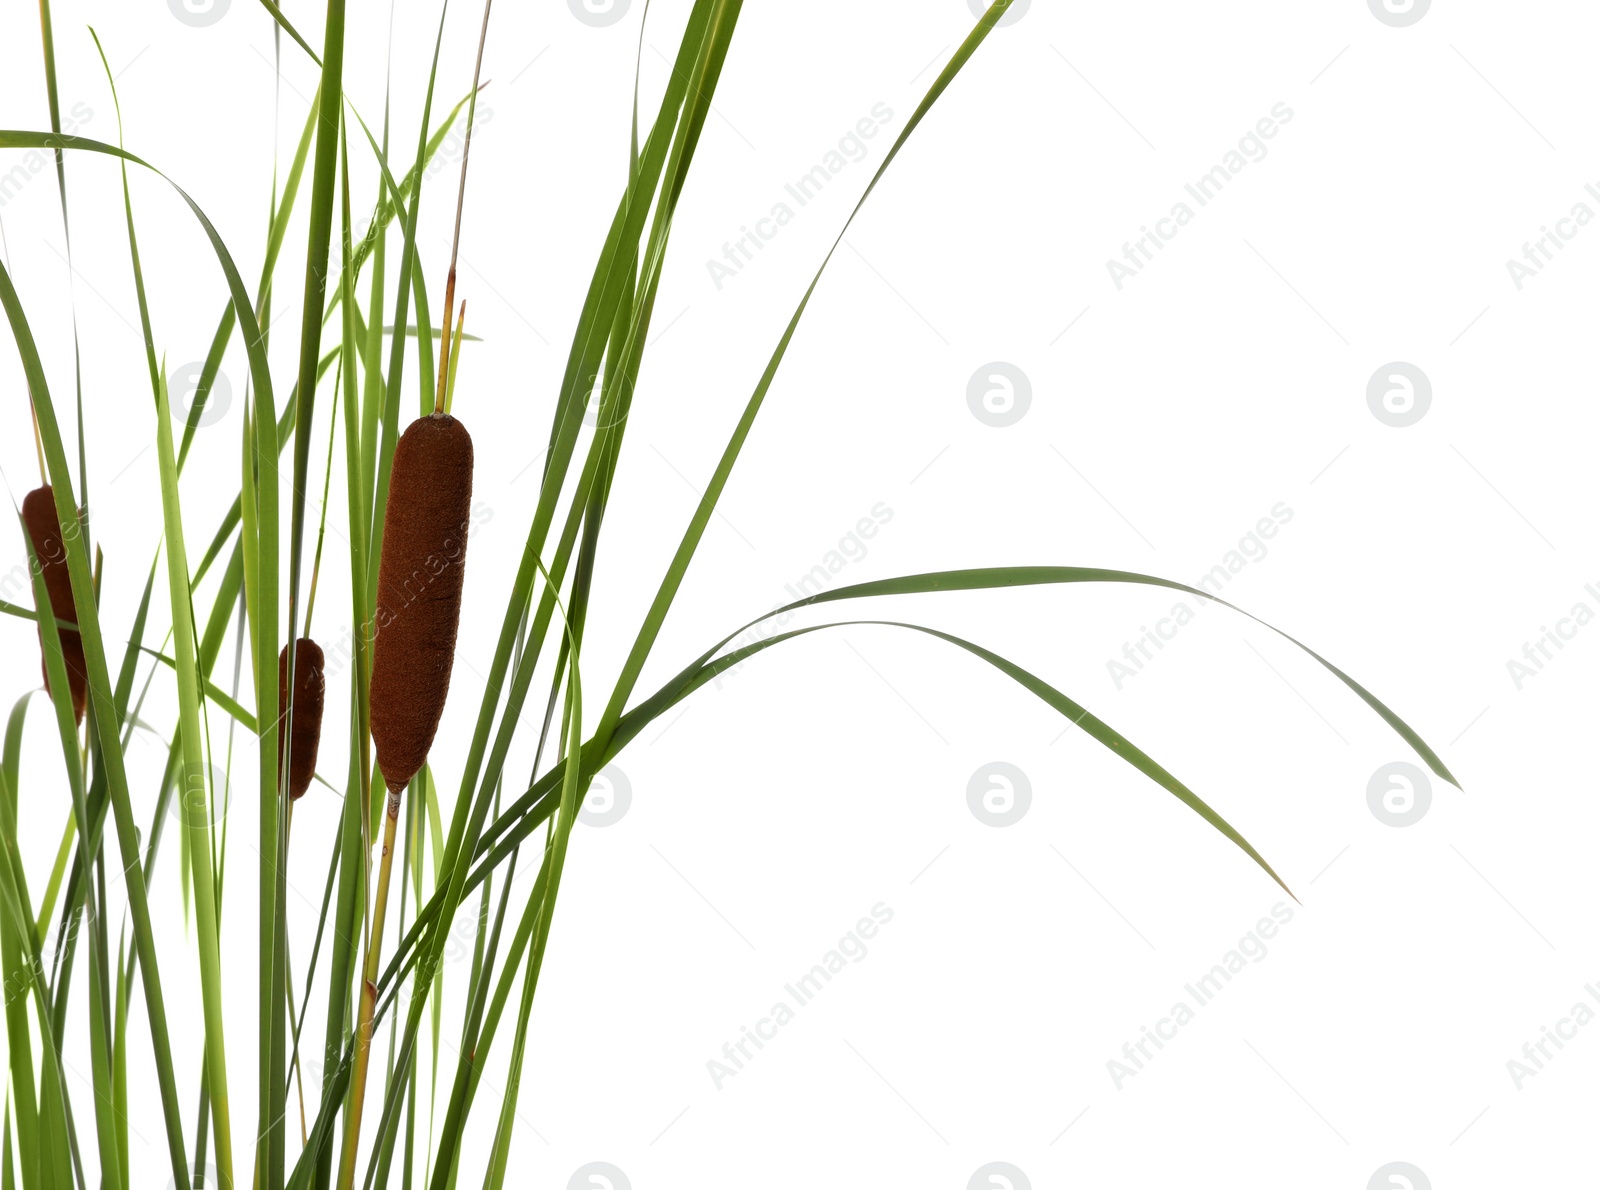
[1167, 417]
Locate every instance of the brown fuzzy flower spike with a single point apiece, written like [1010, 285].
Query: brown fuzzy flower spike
[301, 738]
[44, 531]
[419, 591]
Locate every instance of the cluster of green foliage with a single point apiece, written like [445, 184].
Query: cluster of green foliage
[455, 851]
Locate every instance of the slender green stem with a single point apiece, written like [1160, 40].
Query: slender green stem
[369, 995]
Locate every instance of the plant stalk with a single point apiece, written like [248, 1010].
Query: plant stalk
[369, 996]
[461, 199]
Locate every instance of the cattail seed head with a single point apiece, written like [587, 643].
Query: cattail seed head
[419, 591]
[300, 739]
[44, 531]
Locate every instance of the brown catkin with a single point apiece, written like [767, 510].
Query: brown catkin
[44, 531]
[419, 591]
[302, 737]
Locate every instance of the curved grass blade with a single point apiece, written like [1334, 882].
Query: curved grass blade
[529, 811]
[539, 802]
[253, 339]
[992, 578]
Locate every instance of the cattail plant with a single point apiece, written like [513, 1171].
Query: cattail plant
[44, 532]
[420, 580]
[408, 500]
[419, 593]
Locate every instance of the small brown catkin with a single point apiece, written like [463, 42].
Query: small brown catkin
[303, 736]
[419, 592]
[44, 531]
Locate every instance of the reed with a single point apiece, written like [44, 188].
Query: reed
[408, 503]
[420, 580]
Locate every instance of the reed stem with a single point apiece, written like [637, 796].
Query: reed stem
[369, 997]
[288, 978]
[461, 199]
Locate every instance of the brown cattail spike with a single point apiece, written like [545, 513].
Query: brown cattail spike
[301, 738]
[44, 531]
[419, 591]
